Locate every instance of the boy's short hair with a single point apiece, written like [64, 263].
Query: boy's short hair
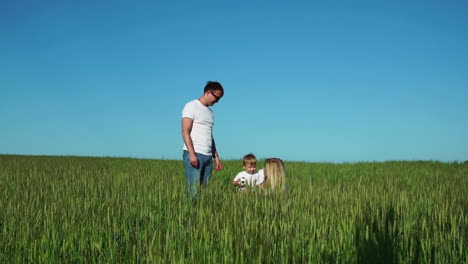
[249, 159]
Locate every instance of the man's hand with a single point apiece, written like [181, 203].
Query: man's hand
[218, 164]
[194, 160]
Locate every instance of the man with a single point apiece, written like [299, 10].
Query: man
[199, 145]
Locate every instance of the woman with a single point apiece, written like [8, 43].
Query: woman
[274, 175]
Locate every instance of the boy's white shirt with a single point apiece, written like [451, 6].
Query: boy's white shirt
[252, 179]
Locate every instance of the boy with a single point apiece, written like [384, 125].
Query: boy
[249, 176]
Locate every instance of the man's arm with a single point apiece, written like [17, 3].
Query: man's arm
[218, 163]
[187, 125]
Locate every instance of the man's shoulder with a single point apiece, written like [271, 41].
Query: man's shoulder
[190, 108]
[192, 103]
[196, 105]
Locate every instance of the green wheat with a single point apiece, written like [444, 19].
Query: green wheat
[109, 210]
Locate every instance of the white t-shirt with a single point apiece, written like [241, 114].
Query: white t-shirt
[252, 179]
[203, 121]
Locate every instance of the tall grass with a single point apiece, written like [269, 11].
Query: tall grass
[87, 210]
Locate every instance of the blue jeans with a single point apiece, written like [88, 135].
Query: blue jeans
[196, 176]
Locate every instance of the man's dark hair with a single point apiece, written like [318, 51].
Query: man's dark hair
[214, 86]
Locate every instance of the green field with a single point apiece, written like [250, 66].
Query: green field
[114, 210]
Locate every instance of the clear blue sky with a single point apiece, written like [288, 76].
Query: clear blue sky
[339, 81]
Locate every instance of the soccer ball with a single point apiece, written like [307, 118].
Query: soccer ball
[243, 182]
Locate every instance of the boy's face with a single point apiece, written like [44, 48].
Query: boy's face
[250, 168]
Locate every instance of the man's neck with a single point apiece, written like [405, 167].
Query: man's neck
[203, 101]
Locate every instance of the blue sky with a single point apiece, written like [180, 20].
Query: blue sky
[339, 81]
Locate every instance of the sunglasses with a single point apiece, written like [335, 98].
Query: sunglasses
[215, 96]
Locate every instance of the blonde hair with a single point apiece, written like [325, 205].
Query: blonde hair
[249, 159]
[274, 174]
